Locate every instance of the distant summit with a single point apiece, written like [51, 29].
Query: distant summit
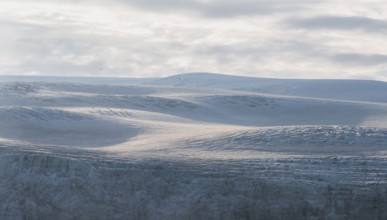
[355, 90]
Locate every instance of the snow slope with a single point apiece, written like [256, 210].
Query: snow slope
[356, 90]
[192, 146]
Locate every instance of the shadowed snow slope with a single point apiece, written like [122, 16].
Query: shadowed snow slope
[192, 146]
[59, 127]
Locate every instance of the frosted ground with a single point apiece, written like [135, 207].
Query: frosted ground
[192, 146]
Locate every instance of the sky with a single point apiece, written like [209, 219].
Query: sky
[154, 38]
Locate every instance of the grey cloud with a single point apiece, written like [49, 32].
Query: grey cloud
[340, 23]
[64, 51]
[62, 44]
[218, 8]
[325, 53]
[57, 67]
[23, 26]
[360, 59]
[45, 57]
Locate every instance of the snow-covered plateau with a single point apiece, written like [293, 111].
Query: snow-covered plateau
[192, 146]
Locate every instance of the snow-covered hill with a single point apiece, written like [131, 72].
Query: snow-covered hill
[192, 146]
[360, 90]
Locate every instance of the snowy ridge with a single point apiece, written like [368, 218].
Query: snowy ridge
[359, 90]
[192, 146]
[298, 139]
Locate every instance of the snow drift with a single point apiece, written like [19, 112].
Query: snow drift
[192, 146]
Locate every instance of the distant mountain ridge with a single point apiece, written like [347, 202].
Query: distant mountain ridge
[353, 90]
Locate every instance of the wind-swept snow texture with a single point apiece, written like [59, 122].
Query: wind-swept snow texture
[192, 146]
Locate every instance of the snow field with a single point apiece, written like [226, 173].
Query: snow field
[193, 146]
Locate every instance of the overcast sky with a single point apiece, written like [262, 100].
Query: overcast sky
[151, 38]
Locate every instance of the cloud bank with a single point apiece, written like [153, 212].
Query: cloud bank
[219, 8]
[150, 38]
[342, 23]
